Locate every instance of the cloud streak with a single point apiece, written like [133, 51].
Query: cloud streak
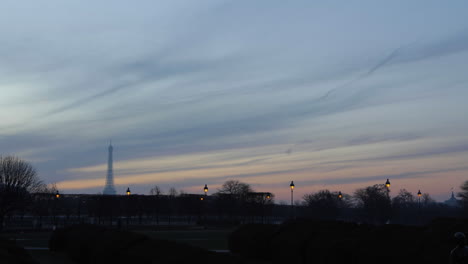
[303, 90]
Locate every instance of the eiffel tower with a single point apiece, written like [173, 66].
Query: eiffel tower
[109, 189]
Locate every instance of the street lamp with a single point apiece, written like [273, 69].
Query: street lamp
[292, 191]
[419, 198]
[205, 189]
[387, 185]
[419, 205]
[265, 198]
[57, 196]
[128, 205]
[340, 196]
[292, 195]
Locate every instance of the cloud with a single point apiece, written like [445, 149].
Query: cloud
[192, 90]
[381, 178]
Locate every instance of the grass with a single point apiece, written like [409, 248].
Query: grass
[207, 239]
[38, 240]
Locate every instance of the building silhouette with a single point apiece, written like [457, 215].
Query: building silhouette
[109, 189]
[452, 201]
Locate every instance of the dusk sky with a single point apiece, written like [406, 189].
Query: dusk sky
[331, 94]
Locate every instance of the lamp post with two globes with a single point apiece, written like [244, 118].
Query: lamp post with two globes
[205, 190]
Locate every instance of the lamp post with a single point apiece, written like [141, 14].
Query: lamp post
[419, 198]
[205, 190]
[292, 197]
[128, 204]
[292, 191]
[340, 195]
[56, 196]
[419, 205]
[387, 185]
[264, 200]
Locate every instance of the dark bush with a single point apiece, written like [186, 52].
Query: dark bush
[335, 242]
[252, 241]
[391, 244]
[92, 244]
[312, 241]
[162, 251]
[10, 253]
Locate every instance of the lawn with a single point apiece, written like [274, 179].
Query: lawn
[207, 239]
[37, 242]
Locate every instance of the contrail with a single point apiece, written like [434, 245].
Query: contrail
[371, 71]
[88, 99]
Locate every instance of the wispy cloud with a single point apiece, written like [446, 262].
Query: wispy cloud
[189, 92]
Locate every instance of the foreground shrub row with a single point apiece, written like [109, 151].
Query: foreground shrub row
[10, 253]
[95, 244]
[338, 242]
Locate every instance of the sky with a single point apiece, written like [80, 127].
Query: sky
[334, 95]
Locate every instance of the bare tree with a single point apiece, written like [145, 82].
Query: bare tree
[156, 191]
[43, 202]
[326, 204]
[47, 189]
[172, 192]
[404, 199]
[464, 194]
[375, 202]
[18, 179]
[427, 200]
[235, 187]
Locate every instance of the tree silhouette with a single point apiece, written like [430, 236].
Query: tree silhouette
[235, 188]
[18, 179]
[156, 190]
[324, 204]
[375, 202]
[232, 197]
[427, 200]
[43, 200]
[404, 199]
[464, 194]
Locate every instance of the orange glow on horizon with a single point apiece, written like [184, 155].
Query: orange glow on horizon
[268, 168]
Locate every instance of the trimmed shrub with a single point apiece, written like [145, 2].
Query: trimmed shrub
[314, 241]
[163, 251]
[335, 242]
[252, 241]
[93, 244]
[10, 253]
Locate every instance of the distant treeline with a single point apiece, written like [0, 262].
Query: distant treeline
[27, 203]
[47, 210]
